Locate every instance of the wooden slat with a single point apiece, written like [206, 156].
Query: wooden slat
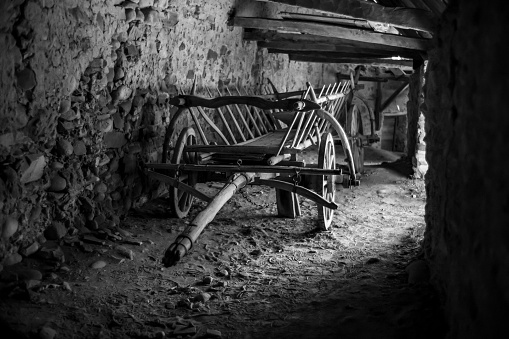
[256, 116]
[248, 114]
[223, 119]
[298, 130]
[307, 127]
[287, 134]
[262, 116]
[348, 45]
[398, 17]
[232, 116]
[213, 125]
[198, 126]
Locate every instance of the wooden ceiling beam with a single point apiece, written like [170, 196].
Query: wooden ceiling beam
[307, 39]
[402, 17]
[333, 31]
[321, 47]
[393, 96]
[405, 64]
[339, 54]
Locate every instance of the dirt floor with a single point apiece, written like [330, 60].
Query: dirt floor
[251, 275]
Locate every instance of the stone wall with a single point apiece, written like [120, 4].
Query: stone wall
[416, 147]
[84, 99]
[467, 213]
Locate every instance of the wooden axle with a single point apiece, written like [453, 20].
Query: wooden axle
[241, 169]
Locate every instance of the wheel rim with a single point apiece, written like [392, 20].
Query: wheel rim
[181, 201]
[325, 183]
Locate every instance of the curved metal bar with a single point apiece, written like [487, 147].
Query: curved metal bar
[286, 186]
[179, 185]
[344, 138]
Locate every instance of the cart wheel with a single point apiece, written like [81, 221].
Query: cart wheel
[325, 185]
[356, 130]
[181, 201]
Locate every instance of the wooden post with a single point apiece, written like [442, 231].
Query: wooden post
[378, 105]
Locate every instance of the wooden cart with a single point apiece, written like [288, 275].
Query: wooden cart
[262, 134]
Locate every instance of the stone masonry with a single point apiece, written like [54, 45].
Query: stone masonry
[84, 100]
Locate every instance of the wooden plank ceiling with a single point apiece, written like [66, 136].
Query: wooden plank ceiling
[387, 33]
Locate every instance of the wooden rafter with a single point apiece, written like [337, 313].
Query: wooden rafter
[321, 47]
[345, 60]
[333, 31]
[393, 96]
[333, 55]
[402, 17]
[274, 37]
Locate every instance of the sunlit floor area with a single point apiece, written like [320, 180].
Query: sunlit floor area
[251, 274]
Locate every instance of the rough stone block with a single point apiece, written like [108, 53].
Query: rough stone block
[64, 147]
[79, 148]
[9, 227]
[28, 251]
[57, 183]
[114, 140]
[12, 259]
[55, 231]
[26, 79]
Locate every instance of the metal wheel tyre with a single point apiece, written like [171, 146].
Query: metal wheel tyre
[324, 184]
[180, 201]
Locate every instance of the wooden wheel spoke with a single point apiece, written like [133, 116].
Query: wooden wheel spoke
[180, 194]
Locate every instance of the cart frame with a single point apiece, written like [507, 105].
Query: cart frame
[261, 136]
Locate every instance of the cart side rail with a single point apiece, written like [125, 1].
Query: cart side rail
[235, 115]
